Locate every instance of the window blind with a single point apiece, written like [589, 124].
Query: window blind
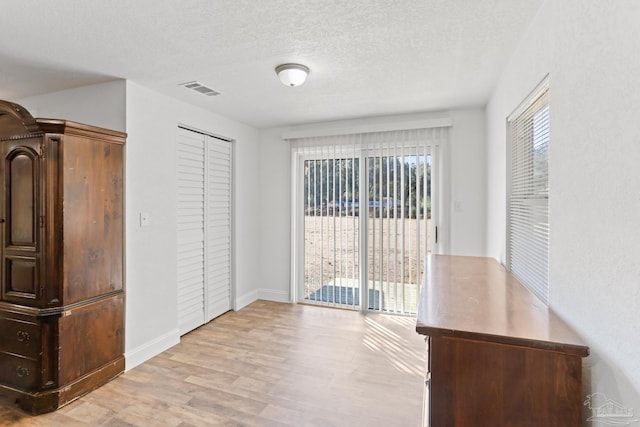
[528, 207]
[365, 217]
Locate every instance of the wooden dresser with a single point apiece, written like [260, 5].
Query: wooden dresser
[61, 269]
[496, 355]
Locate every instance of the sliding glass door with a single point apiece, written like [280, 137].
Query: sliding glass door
[364, 222]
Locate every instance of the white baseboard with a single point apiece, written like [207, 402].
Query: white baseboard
[265, 294]
[150, 349]
[276, 296]
[246, 299]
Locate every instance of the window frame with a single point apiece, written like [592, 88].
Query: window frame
[527, 193]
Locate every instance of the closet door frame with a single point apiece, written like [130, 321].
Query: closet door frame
[208, 312]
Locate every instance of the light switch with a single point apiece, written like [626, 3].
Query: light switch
[144, 219]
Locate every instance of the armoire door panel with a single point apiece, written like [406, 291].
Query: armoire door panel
[21, 213]
[21, 182]
[21, 278]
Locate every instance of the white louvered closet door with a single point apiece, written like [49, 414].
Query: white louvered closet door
[204, 228]
[218, 228]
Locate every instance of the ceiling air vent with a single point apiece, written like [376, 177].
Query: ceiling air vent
[200, 88]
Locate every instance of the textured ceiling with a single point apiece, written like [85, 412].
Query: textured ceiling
[367, 57]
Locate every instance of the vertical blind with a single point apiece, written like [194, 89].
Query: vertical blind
[528, 219]
[367, 223]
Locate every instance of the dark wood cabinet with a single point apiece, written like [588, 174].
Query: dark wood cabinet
[496, 355]
[61, 258]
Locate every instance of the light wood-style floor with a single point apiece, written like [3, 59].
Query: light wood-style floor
[269, 364]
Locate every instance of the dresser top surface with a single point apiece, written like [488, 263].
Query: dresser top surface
[476, 298]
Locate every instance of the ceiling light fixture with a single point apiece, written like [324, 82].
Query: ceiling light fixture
[292, 74]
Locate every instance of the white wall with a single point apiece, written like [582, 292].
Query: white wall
[151, 121]
[467, 177]
[100, 105]
[275, 218]
[590, 50]
[151, 274]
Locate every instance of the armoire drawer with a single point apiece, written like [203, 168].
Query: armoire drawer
[20, 337]
[18, 371]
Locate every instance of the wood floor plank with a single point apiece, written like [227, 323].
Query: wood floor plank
[269, 364]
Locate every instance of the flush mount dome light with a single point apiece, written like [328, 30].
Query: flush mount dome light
[292, 74]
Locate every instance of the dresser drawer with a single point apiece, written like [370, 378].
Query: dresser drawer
[20, 337]
[18, 371]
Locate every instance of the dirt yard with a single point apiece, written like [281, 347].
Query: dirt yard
[395, 267]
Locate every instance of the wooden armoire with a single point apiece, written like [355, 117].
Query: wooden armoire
[61, 258]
